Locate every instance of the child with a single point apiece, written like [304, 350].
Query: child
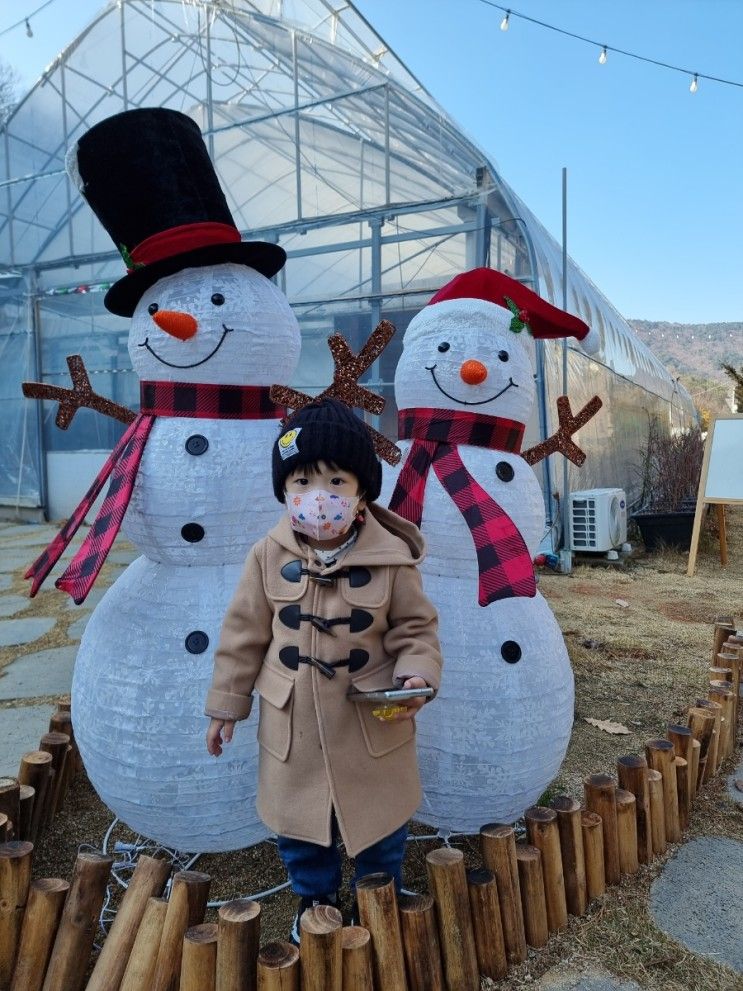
[330, 601]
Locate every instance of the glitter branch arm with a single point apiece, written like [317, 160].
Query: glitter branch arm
[562, 440]
[80, 395]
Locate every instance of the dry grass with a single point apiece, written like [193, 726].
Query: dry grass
[640, 661]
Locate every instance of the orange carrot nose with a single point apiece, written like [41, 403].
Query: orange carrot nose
[180, 325]
[473, 372]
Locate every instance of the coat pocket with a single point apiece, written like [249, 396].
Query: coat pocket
[276, 705]
[380, 737]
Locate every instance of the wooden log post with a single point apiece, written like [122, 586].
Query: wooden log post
[701, 724]
[498, 846]
[10, 802]
[627, 832]
[722, 629]
[34, 771]
[486, 923]
[720, 674]
[140, 969]
[321, 949]
[420, 941]
[712, 763]
[186, 907]
[723, 695]
[694, 772]
[358, 972]
[199, 958]
[237, 949]
[378, 913]
[660, 754]
[601, 798]
[657, 812]
[544, 833]
[147, 881]
[533, 901]
[448, 882]
[593, 852]
[55, 744]
[46, 899]
[571, 847]
[25, 811]
[734, 660]
[15, 879]
[71, 952]
[278, 967]
[632, 772]
[682, 788]
[682, 739]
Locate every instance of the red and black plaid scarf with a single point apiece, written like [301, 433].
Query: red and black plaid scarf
[216, 402]
[504, 563]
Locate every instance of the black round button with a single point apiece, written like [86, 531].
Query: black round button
[510, 651]
[196, 444]
[504, 471]
[192, 532]
[197, 642]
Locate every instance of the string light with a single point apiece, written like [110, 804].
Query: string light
[29, 32]
[605, 49]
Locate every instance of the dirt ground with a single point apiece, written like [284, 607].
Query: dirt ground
[640, 640]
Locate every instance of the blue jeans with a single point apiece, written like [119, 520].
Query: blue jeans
[316, 870]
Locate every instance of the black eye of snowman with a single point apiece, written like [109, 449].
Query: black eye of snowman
[152, 309]
[218, 299]
[444, 346]
[503, 355]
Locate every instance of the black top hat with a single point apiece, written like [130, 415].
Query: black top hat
[149, 179]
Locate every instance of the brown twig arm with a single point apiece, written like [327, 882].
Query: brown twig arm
[80, 395]
[568, 425]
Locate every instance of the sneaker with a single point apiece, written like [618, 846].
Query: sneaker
[305, 902]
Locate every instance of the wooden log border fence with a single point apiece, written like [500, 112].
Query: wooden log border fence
[470, 925]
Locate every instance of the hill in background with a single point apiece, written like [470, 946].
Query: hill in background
[695, 352]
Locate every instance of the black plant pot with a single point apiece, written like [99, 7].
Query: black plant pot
[666, 529]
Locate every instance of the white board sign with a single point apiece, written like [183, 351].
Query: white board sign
[724, 482]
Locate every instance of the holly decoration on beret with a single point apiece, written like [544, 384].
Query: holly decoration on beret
[520, 317]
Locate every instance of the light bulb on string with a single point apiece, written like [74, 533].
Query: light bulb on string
[694, 84]
[603, 56]
[504, 23]
[29, 31]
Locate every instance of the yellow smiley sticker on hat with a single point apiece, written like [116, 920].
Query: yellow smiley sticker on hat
[288, 443]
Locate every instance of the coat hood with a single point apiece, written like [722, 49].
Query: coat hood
[385, 538]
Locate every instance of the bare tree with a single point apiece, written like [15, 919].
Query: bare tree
[737, 377]
[8, 84]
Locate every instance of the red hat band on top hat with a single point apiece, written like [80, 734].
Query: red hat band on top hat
[544, 320]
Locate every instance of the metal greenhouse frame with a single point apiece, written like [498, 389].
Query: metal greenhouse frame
[325, 143]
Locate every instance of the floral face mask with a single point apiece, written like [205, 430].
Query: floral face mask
[320, 514]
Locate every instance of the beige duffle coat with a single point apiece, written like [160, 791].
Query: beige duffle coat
[320, 751]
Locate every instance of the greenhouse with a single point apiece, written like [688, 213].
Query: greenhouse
[324, 143]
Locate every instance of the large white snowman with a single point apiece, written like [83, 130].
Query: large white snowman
[208, 335]
[464, 387]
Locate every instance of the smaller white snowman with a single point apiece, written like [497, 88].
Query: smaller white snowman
[190, 482]
[464, 388]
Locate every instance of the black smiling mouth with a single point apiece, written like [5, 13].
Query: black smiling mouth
[145, 344]
[465, 402]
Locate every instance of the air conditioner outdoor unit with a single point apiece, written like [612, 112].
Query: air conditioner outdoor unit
[598, 520]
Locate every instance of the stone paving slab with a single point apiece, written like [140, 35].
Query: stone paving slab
[32, 536]
[12, 604]
[20, 731]
[76, 629]
[5, 582]
[91, 601]
[123, 556]
[559, 979]
[13, 558]
[696, 900]
[47, 672]
[14, 632]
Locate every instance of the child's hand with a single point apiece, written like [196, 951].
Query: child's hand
[411, 705]
[214, 738]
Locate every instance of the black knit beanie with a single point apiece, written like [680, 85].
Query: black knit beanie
[326, 430]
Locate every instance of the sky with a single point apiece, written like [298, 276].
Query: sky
[654, 173]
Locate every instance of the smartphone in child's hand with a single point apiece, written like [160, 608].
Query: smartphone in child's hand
[390, 695]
